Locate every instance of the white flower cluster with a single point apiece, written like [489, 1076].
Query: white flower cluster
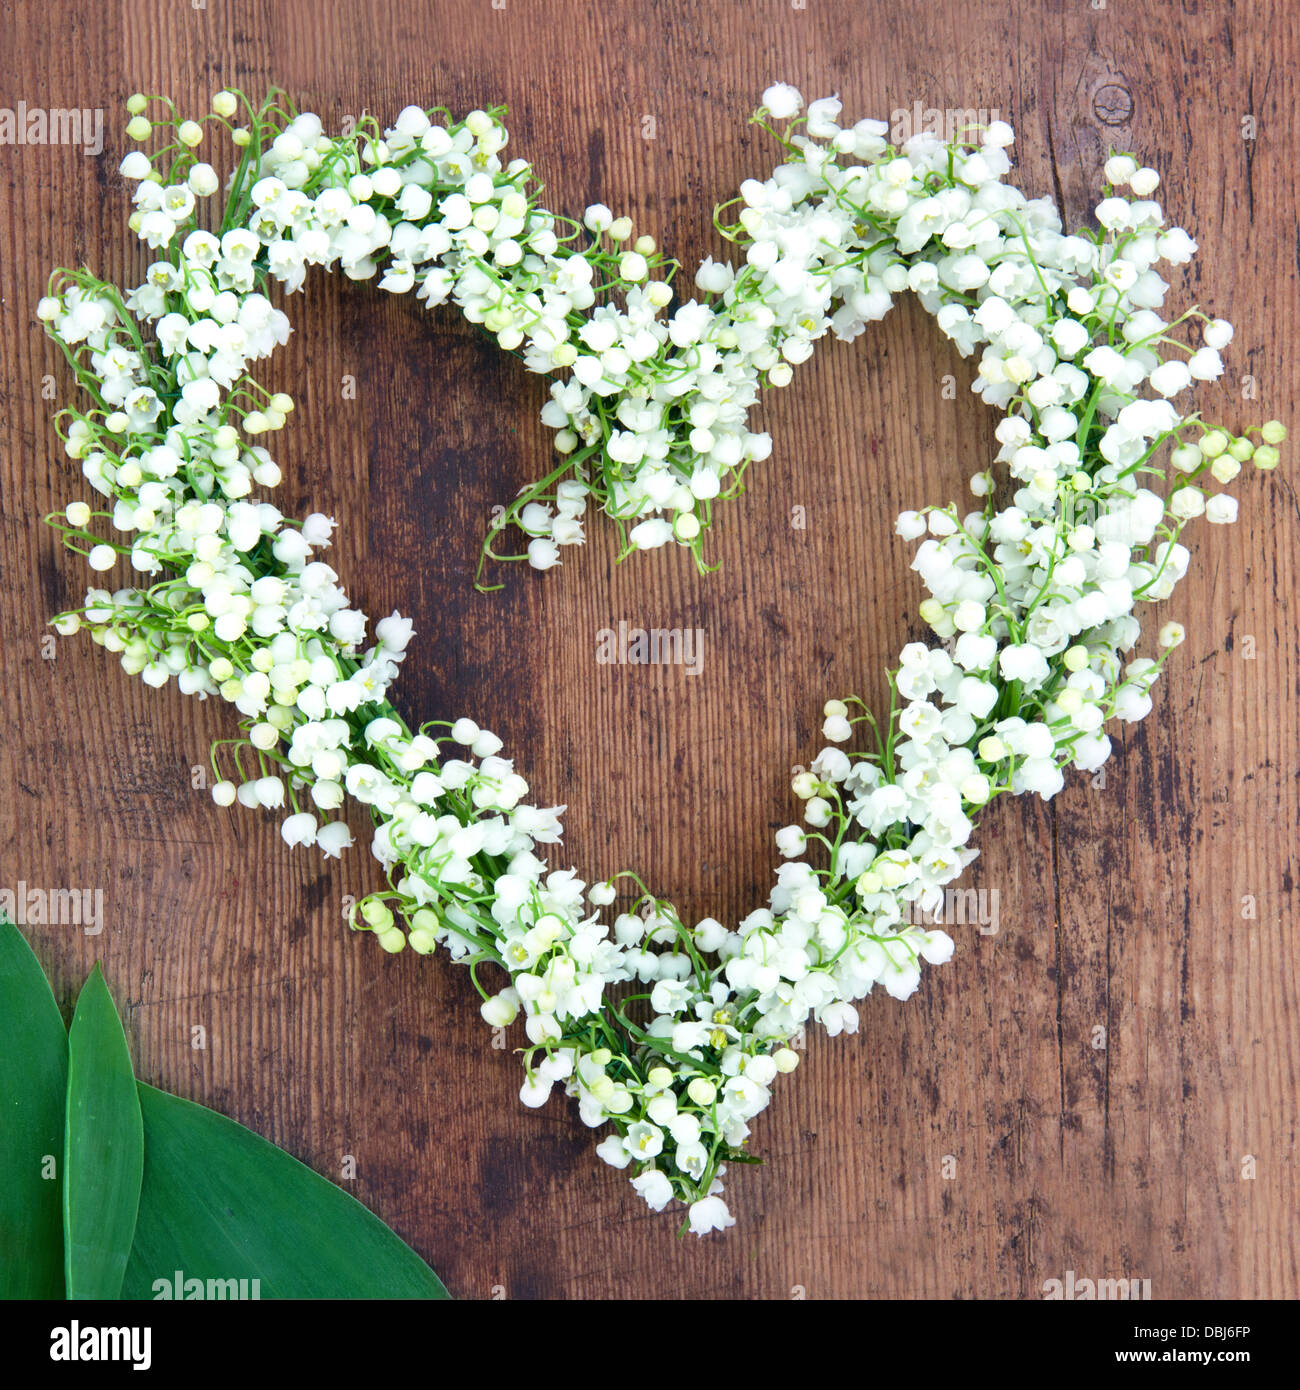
[672, 1036]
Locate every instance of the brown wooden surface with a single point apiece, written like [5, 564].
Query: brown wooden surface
[1120, 908]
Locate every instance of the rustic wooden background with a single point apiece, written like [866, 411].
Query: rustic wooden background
[974, 1142]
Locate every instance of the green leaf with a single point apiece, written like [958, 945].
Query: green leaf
[33, 1080]
[105, 1147]
[219, 1203]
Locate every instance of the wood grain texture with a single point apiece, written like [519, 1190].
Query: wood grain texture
[1119, 909]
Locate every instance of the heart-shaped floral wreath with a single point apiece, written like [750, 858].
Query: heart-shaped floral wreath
[671, 1035]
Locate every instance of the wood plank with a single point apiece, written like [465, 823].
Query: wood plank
[1119, 908]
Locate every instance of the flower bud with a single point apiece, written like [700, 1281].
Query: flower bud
[702, 1091]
